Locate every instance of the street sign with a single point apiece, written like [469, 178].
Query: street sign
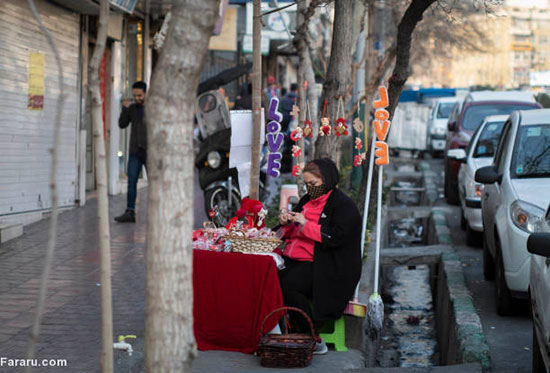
[277, 25]
[126, 5]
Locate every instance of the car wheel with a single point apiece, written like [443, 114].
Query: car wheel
[488, 263]
[452, 194]
[504, 299]
[538, 362]
[451, 191]
[446, 181]
[463, 222]
[472, 237]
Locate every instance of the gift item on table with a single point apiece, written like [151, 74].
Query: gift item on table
[251, 214]
[209, 237]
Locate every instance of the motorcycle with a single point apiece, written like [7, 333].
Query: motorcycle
[218, 181]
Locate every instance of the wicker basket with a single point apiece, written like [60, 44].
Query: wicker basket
[286, 350]
[242, 244]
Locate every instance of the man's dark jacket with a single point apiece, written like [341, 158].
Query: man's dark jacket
[135, 114]
[337, 258]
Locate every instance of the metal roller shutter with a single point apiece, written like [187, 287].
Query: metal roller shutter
[26, 136]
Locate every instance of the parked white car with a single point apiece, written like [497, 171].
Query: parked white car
[437, 124]
[539, 291]
[478, 153]
[513, 202]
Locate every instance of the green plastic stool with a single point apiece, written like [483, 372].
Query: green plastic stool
[338, 335]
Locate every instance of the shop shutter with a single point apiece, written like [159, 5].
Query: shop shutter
[26, 136]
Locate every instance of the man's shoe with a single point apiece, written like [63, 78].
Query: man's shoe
[129, 216]
[320, 348]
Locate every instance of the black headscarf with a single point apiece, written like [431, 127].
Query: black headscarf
[329, 171]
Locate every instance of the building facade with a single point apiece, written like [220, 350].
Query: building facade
[517, 53]
[30, 95]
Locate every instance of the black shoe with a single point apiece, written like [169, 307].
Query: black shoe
[129, 216]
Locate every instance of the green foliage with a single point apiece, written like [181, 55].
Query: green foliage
[543, 99]
[272, 218]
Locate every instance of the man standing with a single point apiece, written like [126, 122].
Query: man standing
[134, 114]
[271, 90]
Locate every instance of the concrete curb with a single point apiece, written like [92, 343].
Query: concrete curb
[442, 231]
[471, 343]
[429, 177]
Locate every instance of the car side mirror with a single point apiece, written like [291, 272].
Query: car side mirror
[539, 244]
[451, 126]
[457, 154]
[487, 175]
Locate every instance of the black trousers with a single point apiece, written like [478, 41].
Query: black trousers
[297, 287]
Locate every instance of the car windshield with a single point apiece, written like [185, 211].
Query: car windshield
[444, 110]
[488, 140]
[475, 114]
[531, 156]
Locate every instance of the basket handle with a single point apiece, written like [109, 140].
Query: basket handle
[288, 309]
[209, 224]
[237, 233]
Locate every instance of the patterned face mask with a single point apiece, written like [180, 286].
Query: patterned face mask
[316, 191]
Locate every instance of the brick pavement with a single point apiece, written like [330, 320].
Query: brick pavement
[71, 324]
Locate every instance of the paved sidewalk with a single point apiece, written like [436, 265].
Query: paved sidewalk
[71, 325]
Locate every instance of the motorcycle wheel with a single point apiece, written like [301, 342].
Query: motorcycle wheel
[219, 197]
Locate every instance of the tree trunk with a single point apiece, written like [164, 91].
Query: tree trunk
[52, 233]
[169, 339]
[405, 30]
[256, 101]
[106, 361]
[306, 10]
[313, 96]
[338, 77]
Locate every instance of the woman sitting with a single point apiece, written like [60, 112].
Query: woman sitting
[323, 249]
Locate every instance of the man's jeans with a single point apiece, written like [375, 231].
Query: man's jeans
[135, 162]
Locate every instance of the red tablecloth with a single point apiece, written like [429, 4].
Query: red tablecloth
[232, 294]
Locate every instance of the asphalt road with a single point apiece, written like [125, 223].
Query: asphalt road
[509, 338]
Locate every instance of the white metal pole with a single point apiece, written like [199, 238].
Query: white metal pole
[378, 229]
[366, 204]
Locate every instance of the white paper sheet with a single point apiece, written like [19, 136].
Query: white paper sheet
[241, 146]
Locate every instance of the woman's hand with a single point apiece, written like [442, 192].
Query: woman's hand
[284, 218]
[298, 218]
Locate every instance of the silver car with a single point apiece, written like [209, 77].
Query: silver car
[538, 244]
[513, 202]
[478, 153]
[437, 124]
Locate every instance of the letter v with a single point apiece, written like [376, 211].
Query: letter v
[381, 129]
[274, 141]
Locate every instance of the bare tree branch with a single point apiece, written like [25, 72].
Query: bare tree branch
[35, 331]
[405, 30]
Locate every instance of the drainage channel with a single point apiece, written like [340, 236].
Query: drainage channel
[410, 339]
[410, 336]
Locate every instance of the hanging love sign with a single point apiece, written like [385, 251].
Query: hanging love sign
[381, 127]
[274, 138]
